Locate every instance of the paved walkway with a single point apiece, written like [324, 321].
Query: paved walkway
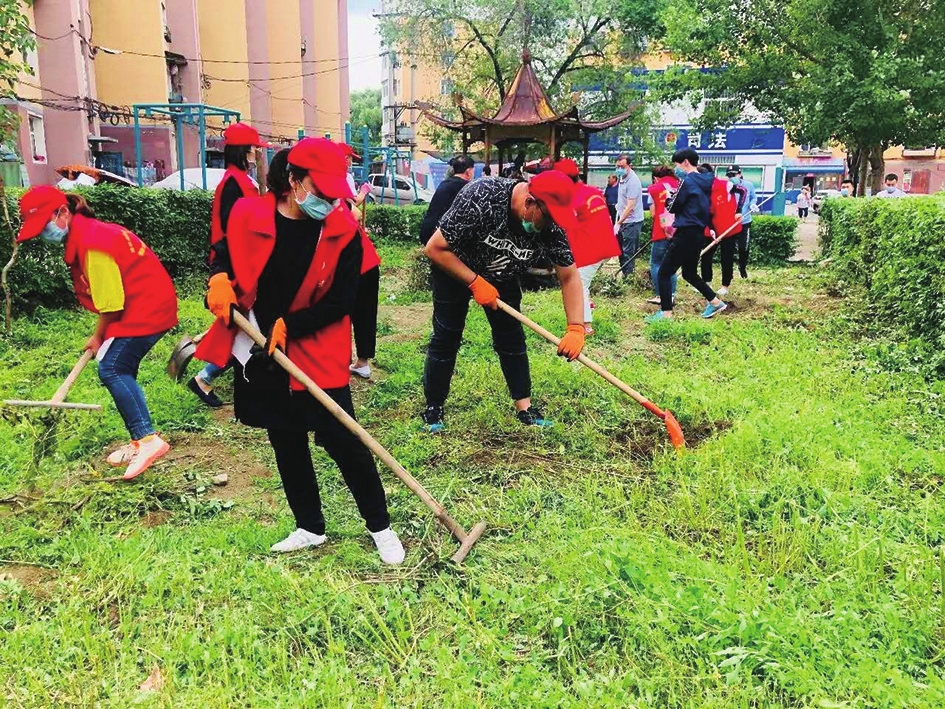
[807, 247]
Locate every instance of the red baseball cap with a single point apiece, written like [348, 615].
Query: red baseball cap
[348, 151]
[555, 191]
[326, 165]
[568, 167]
[243, 134]
[38, 205]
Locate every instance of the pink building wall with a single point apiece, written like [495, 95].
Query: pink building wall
[185, 40]
[309, 83]
[260, 101]
[345, 59]
[157, 143]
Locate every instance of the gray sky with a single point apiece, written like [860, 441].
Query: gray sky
[364, 45]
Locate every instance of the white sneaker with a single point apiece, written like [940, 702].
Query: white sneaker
[147, 451]
[299, 539]
[722, 291]
[389, 546]
[122, 456]
[363, 372]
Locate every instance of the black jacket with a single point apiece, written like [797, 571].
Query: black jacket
[439, 205]
[692, 202]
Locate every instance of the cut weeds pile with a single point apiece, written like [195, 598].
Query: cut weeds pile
[791, 557]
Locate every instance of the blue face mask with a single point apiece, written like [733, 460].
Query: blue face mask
[735, 180]
[680, 173]
[621, 172]
[528, 227]
[52, 233]
[890, 188]
[315, 207]
[845, 192]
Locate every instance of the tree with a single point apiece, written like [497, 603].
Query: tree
[15, 40]
[866, 74]
[576, 45]
[366, 111]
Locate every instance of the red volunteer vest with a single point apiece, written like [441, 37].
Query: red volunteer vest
[150, 298]
[249, 190]
[723, 209]
[323, 355]
[658, 195]
[593, 240]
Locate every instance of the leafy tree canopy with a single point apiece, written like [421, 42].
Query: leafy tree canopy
[366, 111]
[15, 40]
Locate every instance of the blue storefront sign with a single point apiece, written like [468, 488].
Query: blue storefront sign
[737, 139]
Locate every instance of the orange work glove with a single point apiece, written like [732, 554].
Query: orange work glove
[572, 343]
[221, 297]
[484, 292]
[277, 337]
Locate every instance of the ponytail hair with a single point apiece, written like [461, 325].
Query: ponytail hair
[77, 205]
[280, 168]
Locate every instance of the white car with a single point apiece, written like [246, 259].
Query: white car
[383, 191]
[193, 179]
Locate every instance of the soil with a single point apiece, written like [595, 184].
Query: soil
[36, 579]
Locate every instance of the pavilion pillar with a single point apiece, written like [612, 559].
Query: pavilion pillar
[553, 145]
[488, 149]
[587, 142]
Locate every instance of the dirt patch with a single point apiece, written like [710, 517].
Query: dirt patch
[155, 518]
[699, 433]
[38, 580]
[643, 440]
[414, 318]
[211, 456]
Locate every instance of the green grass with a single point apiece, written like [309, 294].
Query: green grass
[790, 558]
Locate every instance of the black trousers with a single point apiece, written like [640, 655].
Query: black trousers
[727, 247]
[683, 251]
[364, 318]
[450, 306]
[294, 460]
[743, 239]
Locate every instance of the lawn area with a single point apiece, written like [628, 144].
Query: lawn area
[791, 557]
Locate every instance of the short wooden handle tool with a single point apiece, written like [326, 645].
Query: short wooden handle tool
[738, 220]
[58, 400]
[672, 425]
[466, 539]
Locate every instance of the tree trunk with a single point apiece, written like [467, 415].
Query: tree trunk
[878, 168]
[862, 177]
[854, 158]
[7, 297]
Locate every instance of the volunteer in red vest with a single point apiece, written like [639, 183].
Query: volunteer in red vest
[117, 276]
[239, 152]
[496, 229]
[725, 209]
[593, 240]
[294, 260]
[364, 317]
[663, 184]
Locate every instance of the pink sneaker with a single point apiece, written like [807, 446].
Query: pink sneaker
[123, 455]
[149, 449]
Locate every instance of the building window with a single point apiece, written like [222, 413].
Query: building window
[385, 89]
[446, 87]
[37, 138]
[396, 88]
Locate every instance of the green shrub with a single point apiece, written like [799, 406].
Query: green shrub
[773, 240]
[890, 256]
[395, 224]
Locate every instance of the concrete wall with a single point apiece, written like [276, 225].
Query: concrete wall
[310, 34]
[257, 43]
[327, 46]
[284, 35]
[222, 25]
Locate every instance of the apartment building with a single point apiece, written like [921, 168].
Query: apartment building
[281, 64]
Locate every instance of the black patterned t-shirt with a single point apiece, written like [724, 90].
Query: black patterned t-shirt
[482, 231]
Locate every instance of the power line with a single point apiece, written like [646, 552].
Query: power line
[280, 78]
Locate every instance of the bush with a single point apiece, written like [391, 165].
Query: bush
[176, 225]
[773, 240]
[890, 256]
[395, 224]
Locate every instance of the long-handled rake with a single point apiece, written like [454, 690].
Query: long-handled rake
[58, 400]
[672, 425]
[466, 539]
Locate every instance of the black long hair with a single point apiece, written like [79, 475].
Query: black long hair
[279, 170]
[237, 156]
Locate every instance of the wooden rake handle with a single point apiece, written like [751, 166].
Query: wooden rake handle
[71, 378]
[376, 448]
[586, 361]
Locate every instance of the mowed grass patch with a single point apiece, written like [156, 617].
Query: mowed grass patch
[790, 557]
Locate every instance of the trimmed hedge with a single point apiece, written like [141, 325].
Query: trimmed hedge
[890, 255]
[176, 225]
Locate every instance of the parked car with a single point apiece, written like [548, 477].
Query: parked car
[819, 197]
[401, 190]
[193, 179]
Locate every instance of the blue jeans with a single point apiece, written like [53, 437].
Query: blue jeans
[118, 371]
[657, 252]
[629, 238]
[211, 372]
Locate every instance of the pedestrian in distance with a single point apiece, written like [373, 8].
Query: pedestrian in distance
[891, 190]
[115, 275]
[240, 142]
[663, 184]
[691, 207]
[495, 230]
[364, 317]
[629, 221]
[803, 203]
[295, 259]
[725, 212]
[461, 168]
[610, 194]
[749, 208]
[847, 188]
[592, 241]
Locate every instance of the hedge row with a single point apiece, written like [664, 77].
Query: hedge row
[177, 226]
[890, 255]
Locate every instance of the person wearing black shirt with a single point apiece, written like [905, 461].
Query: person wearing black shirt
[610, 194]
[462, 169]
[303, 296]
[495, 230]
